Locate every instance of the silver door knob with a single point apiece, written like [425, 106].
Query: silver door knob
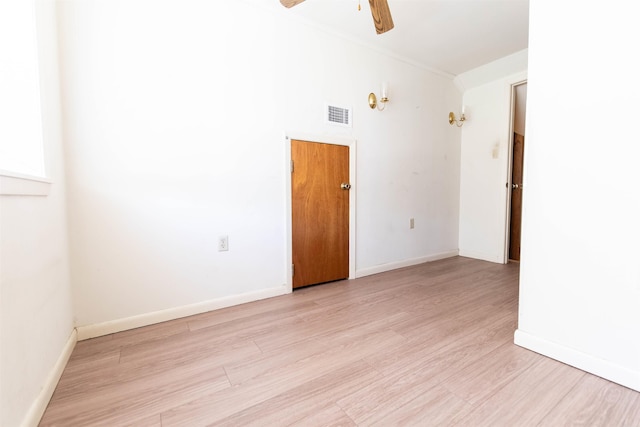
[515, 186]
[345, 186]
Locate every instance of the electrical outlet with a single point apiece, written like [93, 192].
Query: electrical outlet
[223, 243]
[412, 223]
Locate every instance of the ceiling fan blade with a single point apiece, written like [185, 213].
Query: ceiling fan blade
[381, 15]
[290, 3]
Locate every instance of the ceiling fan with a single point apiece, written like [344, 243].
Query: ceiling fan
[379, 9]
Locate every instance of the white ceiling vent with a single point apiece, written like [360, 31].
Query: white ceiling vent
[340, 116]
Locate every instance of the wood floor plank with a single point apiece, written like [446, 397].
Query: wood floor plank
[533, 394]
[92, 347]
[227, 402]
[426, 345]
[479, 380]
[122, 402]
[407, 378]
[382, 396]
[152, 421]
[333, 325]
[298, 350]
[159, 364]
[329, 416]
[311, 403]
[435, 407]
[249, 314]
[81, 366]
[191, 347]
[596, 402]
[443, 354]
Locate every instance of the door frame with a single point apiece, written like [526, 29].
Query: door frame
[512, 83]
[322, 139]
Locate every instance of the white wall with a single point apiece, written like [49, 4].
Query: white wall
[484, 164]
[580, 275]
[495, 70]
[176, 113]
[36, 318]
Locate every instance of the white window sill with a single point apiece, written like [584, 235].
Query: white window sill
[15, 184]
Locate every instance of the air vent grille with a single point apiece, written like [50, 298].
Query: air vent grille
[338, 115]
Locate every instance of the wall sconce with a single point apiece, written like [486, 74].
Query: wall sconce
[373, 101]
[459, 122]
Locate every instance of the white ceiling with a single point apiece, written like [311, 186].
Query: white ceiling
[450, 36]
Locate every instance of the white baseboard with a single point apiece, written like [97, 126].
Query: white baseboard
[586, 362]
[482, 256]
[119, 325]
[406, 263]
[36, 411]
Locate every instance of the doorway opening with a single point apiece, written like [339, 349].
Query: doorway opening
[516, 171]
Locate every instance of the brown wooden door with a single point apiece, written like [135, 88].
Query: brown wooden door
[516, 197]
[320, 212]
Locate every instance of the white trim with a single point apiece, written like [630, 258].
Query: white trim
[321, 138]
[407, 263]
[39, 405]
[119, 325]
[497, 258]
[16, 184]
[600, 367]
[288, 228]
[325, 139]
[509, 192]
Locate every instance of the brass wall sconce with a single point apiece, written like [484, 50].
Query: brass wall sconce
[459, 122]
[375, 103]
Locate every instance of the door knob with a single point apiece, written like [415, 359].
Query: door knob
[515, 186]
[345, 186]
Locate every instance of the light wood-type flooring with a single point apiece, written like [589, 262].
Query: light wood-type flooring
[429, 345]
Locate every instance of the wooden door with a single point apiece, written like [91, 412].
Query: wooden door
[320, 212]
[516, 197]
